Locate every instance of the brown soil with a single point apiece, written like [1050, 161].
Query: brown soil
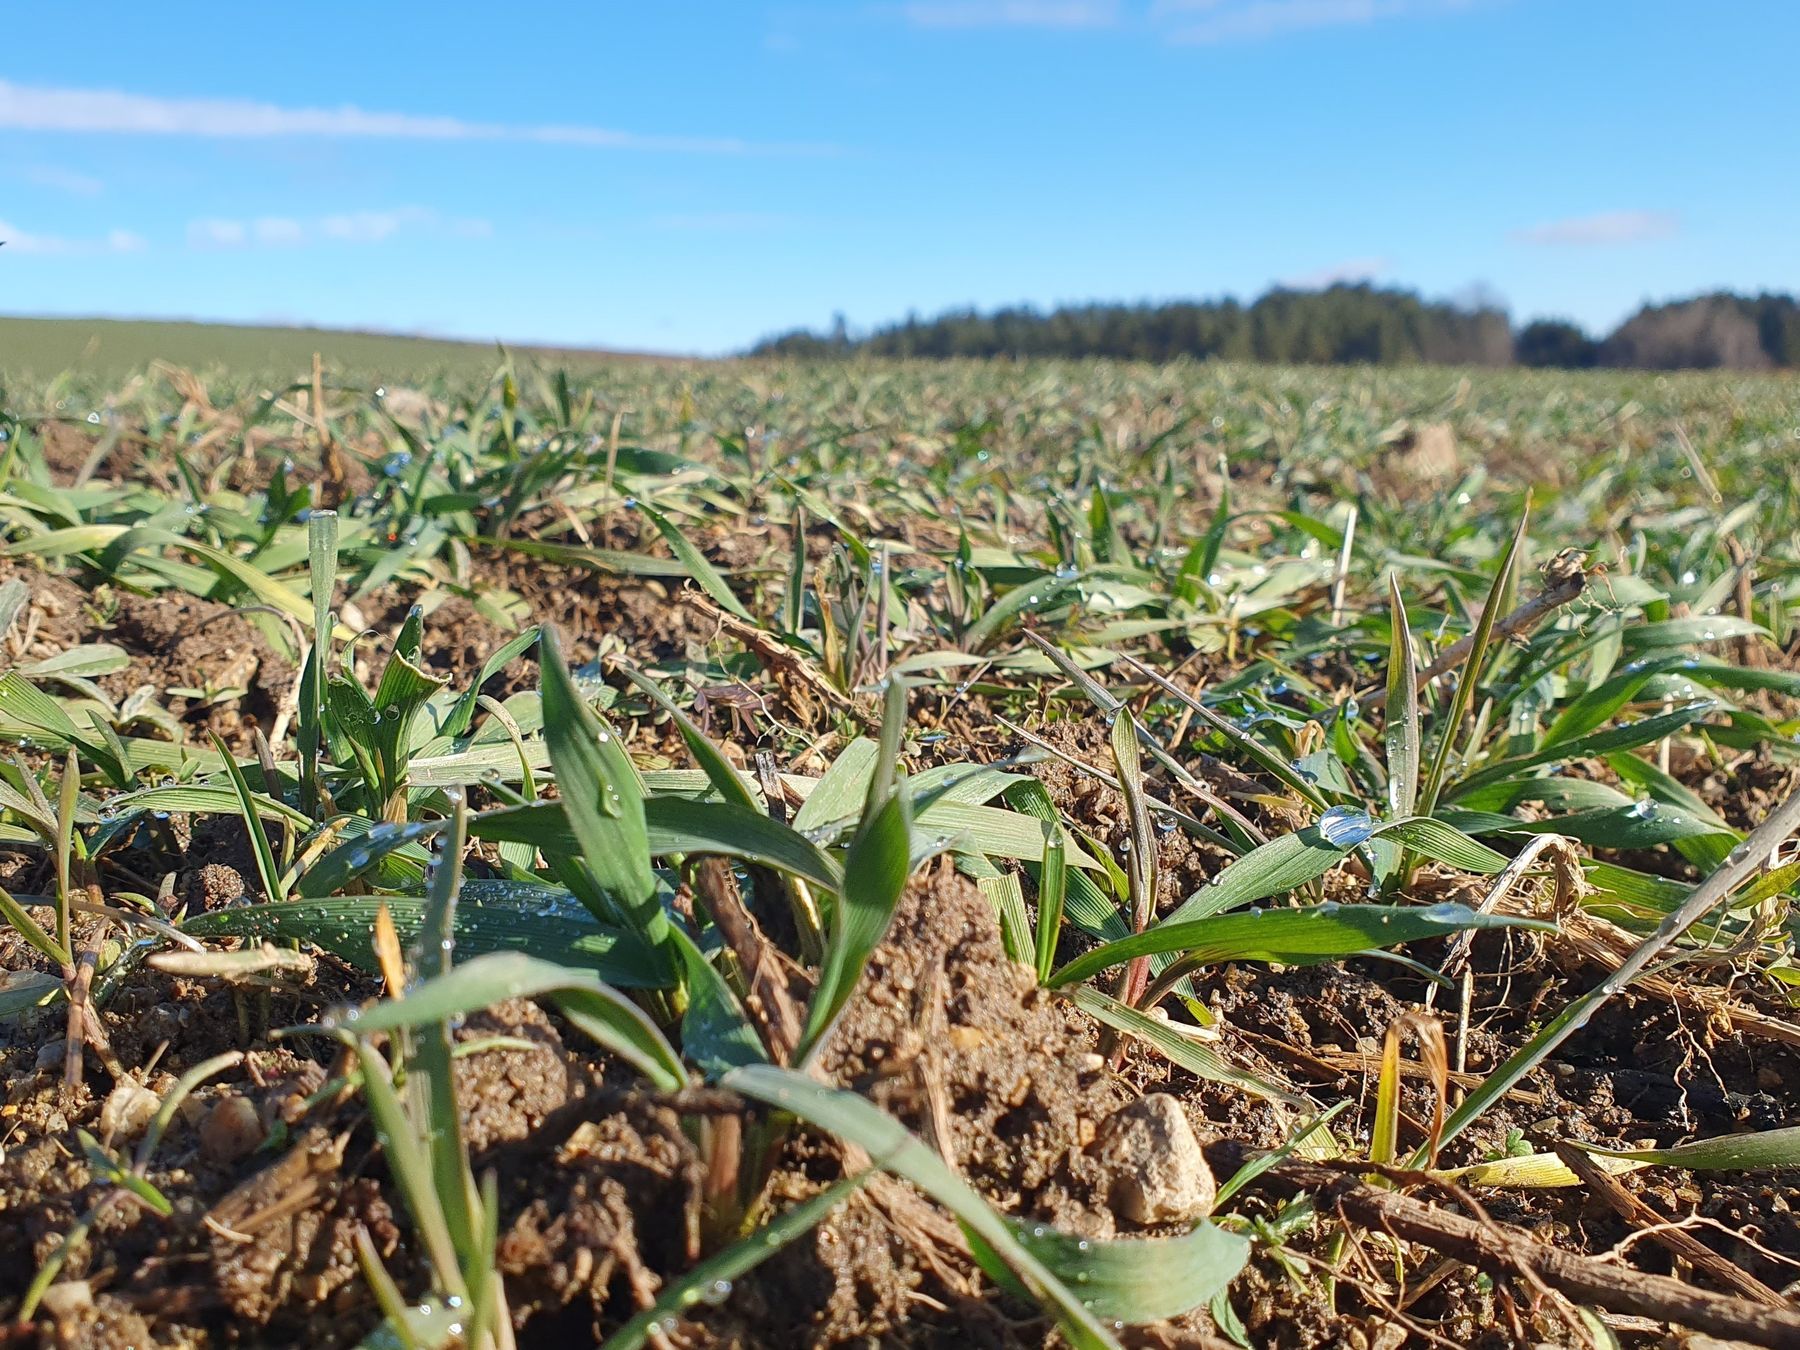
[232, 677]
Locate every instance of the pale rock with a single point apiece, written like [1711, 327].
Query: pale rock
[127, 1110]
[231, 1130]
[66, 1298]
[1154, 1169]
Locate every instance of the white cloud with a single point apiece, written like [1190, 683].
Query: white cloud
[1603, 229]
[63, 180]
[278, 232]
[1011, 13]
[371, 227]
[1349, 270]
[217, 234]
[55, 245]
[111, 111]
[1215, 21]
[344, 227]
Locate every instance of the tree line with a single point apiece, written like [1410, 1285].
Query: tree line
[1344, 324]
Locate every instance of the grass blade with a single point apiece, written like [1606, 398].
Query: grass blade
[601, 797]
[895, 1149]
[720, 772]
[710, 1281]
[1470, 674]
[605, 1014]
[675, 825]
[266, 869]
[1725, 1153]
[1053, 888]
[344, 925]
[1288, 936]
[1401, 730]
[1197, 1058]
[695, 562]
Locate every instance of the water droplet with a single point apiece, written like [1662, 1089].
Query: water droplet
[1346, 826]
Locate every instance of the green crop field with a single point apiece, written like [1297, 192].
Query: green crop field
[112, 348]
[508, 848]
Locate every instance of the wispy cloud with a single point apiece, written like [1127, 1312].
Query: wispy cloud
[1011, 13]
[62, 180]
[114, 112]
[1195, 22]
[1349, 270]
[1216, 21]
[727, 222]
[54, 245]
[347, 227]
[1603, 229]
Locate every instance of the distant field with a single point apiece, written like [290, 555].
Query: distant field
[112, 346]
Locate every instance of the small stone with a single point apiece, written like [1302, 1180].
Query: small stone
[231, 1130]
[66, 1298]
[127, 1110]
[50, 1054]
[1154, 1169]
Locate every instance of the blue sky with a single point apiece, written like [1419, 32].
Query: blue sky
[688, 177]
